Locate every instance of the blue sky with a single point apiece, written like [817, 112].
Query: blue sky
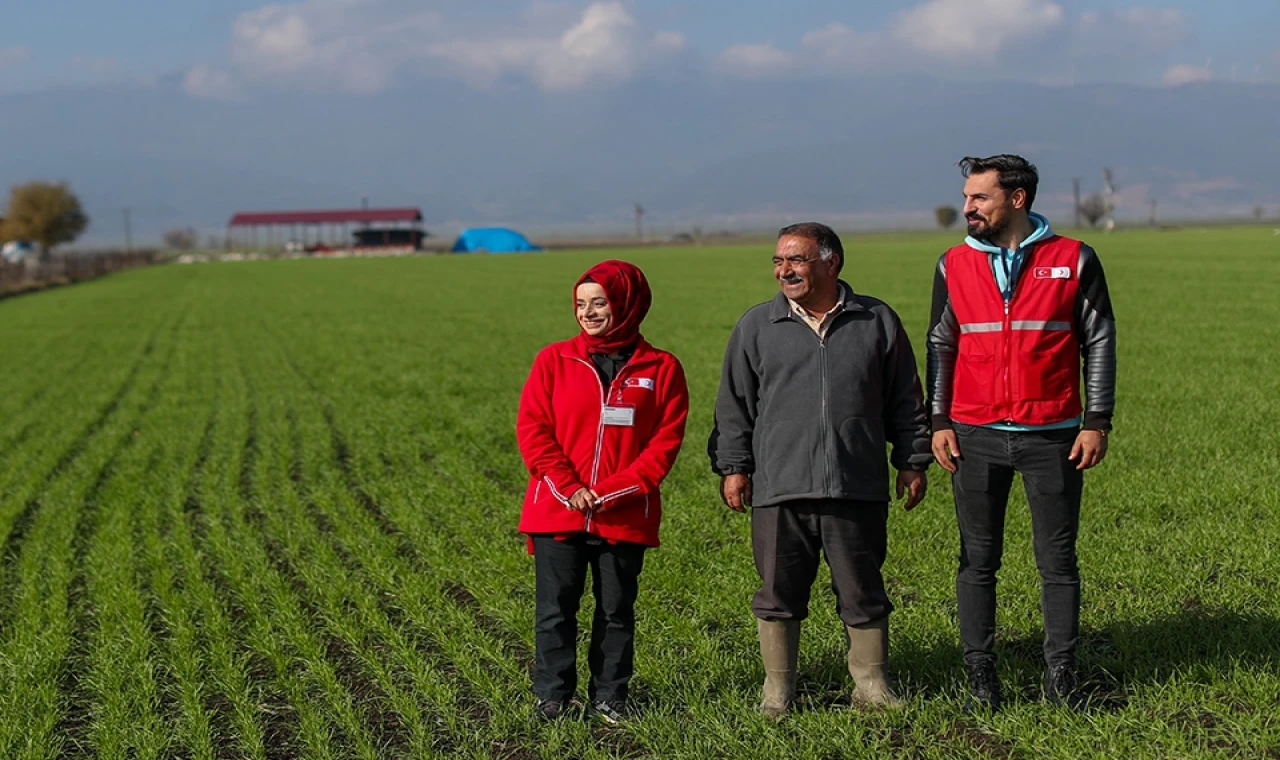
[236, 46]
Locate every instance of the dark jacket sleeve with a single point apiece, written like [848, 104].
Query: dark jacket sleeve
[1096, 331]
[730, 445]
[943, 346]
[906, 424]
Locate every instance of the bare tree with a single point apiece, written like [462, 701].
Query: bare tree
[1108, 193]
[1258, 211]
[1093, 208]
[946, 216]
[180, 239]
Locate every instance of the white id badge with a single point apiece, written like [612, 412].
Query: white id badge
[623, 416]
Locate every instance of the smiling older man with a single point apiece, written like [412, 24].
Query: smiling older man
[815, 383]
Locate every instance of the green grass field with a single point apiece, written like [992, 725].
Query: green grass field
[265, 510]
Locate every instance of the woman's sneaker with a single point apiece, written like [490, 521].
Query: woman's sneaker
[611, 711]
[548, 710]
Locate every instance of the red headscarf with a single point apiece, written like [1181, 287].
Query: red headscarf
[629, 299]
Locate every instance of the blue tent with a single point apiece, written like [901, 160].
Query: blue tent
[493, 240]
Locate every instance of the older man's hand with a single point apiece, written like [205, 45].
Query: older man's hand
[913, 484]
[735, 492]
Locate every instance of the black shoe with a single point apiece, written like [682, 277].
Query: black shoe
[984, 688]
[611, 711]
[1062, 688]
[548, 710]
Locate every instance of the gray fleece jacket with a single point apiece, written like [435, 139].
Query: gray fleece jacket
[809, 418]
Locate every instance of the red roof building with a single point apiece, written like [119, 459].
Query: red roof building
[325, 216]
[377, 227]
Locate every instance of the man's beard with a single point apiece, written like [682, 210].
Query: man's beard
[990, 231]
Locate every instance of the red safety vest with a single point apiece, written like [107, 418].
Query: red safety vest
[1019, 363]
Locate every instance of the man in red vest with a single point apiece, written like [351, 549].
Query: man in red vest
[1016, 311]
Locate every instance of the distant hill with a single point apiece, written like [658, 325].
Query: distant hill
[717, 154]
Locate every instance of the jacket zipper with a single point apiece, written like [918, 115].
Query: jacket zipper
[1008, 339]
[826, 446]
[604, 401]
[1008, 358]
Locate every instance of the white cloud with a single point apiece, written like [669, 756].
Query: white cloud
[974, 29]
[1185, 73]
[976, 38]
[557, 45]
[209, 83]
[12, 56]
[353, 45]
[936, 35]
[605, 44]
[366, 45]
[760, 59]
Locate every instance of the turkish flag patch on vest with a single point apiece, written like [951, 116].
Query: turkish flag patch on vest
[1052, 273]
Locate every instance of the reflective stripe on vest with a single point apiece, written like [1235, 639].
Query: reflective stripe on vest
[1034, 324]
[977, 327]
[1017, 324]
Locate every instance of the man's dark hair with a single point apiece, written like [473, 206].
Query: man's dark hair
[826, 238]
[1014, 172]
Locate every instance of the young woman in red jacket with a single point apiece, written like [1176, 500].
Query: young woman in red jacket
[601, 420]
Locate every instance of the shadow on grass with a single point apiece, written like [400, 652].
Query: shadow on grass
[1195, 643]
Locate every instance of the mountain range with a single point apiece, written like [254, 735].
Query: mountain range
[725, 154]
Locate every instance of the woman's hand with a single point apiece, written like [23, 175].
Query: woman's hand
[582, 500]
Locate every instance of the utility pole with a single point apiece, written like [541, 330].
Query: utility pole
[639, 214]
[1075, 186]
[1154, 217]
[364, 202]
[128, 231]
